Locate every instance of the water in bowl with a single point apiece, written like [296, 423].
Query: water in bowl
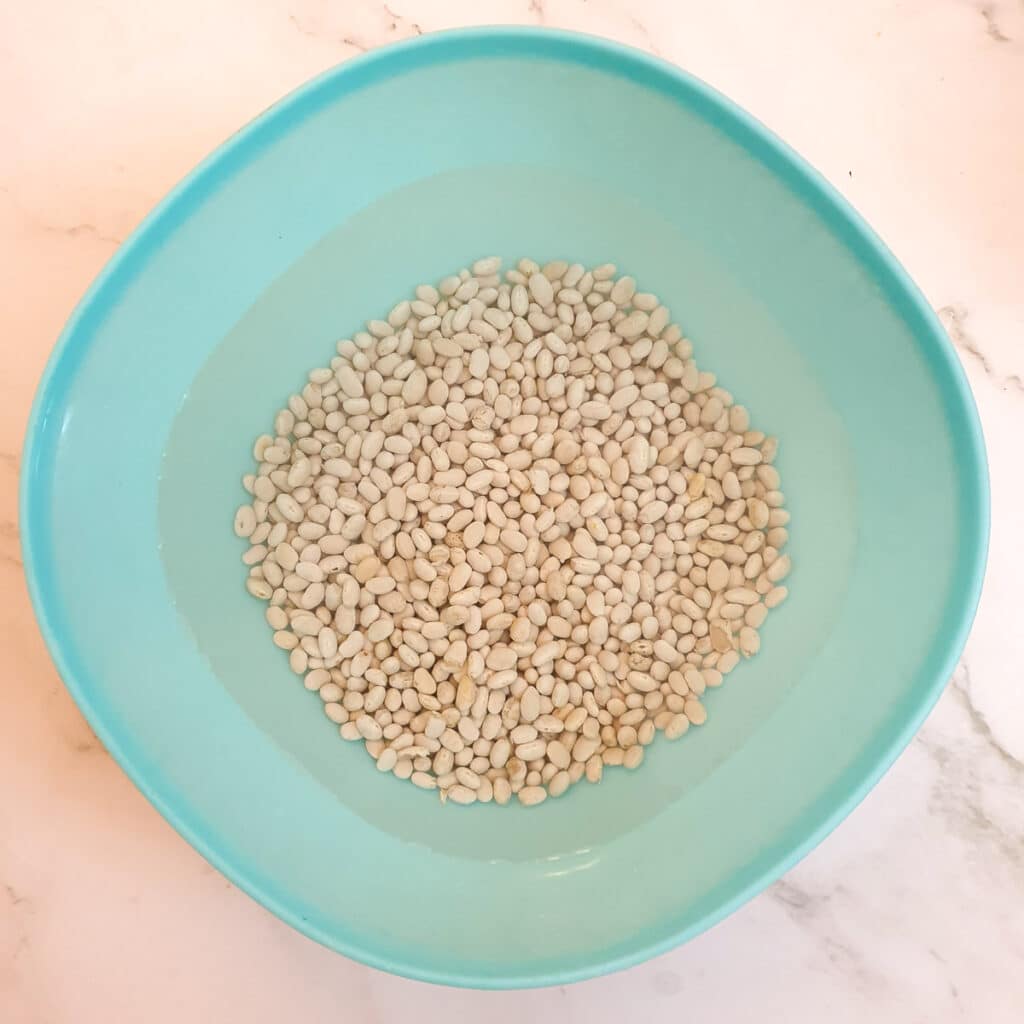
[449, 220]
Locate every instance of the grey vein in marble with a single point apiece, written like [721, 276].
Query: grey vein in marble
[978, 781]
[398, 20]
[821, 912]
[20, 907]
[10, 550]
[73, 231]
[648, 38]
[393, 24]
[992, 29]
[954, 319]
[961, 685]
[313, 33]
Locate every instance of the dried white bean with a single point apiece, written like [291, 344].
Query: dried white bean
[512, 531]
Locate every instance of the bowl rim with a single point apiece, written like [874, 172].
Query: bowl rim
[682, 87]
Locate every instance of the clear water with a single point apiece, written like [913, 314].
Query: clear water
[356, 271]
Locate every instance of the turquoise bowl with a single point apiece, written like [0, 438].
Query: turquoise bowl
[395, 169]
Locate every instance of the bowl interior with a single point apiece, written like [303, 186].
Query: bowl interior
[396, 170]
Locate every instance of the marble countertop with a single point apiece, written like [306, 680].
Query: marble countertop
[913, 910]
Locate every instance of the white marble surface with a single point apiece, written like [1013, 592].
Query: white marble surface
[913, 910]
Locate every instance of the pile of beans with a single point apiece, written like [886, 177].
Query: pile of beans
[511, 531]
